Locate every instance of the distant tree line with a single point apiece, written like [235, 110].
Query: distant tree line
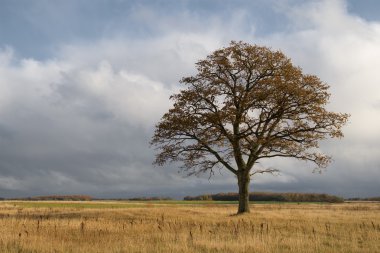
[61, 197]
[150, 198]
[364, 199]
[268, 196]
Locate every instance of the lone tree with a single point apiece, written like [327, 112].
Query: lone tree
[245, 104]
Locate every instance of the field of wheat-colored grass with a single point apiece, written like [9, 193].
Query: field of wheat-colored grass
[27, 227]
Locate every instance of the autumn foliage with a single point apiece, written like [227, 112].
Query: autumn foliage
[246, 103]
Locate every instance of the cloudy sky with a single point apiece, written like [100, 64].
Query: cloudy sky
[83, 82]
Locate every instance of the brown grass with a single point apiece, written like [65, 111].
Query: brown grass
[348, 227]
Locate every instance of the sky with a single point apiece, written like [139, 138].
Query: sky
[83, 83]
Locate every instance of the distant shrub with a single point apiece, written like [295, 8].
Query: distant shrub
[268, 196]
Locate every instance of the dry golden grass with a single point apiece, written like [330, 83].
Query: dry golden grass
[349, 227]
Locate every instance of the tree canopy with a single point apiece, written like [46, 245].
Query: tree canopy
[246, 103]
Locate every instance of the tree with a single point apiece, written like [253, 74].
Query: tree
[245, 104]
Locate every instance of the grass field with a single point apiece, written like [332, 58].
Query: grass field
[176, 226]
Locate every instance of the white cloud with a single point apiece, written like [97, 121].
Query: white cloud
[344, 51]
[84, 117]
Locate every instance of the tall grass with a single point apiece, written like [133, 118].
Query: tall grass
[190, 228]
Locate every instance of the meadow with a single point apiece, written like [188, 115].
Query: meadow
[177, 226]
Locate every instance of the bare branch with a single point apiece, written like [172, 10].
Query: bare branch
[269, 170]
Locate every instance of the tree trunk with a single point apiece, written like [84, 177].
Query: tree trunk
[243, 182]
